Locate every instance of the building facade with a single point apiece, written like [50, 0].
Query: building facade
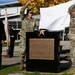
[13, 15]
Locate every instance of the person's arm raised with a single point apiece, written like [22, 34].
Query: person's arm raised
[23, 9]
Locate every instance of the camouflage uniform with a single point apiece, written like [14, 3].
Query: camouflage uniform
[72, 34]
[27, 26]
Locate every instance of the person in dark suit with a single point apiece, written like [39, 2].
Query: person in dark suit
[2, 39]
[12, 41]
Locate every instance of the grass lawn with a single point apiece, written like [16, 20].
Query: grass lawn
[16, 44]
[6, 70]
[9, 70]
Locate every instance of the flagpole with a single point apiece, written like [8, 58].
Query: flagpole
[6, 28]
[7, 34]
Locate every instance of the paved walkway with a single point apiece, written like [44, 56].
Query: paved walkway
[66, 44]
[13, 60]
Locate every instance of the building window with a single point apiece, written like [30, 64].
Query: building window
[14, 23]
[19, 25]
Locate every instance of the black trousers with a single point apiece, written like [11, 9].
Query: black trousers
[0, 54]
[11, 47]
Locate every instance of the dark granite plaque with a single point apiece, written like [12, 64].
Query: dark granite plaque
[42, 52]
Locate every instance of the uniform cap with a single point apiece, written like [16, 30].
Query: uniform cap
[29, 10]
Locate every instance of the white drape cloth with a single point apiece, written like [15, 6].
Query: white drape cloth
[55, 18]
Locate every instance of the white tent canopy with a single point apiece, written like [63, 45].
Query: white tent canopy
[55, 18]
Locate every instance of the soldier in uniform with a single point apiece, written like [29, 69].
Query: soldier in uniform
[71, 11]
[28, 24]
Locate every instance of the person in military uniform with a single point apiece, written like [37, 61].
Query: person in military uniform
[28, 24]
[71, 11]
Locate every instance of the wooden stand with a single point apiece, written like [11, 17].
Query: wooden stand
[42, 52]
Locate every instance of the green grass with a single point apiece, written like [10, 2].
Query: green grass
[16, 44]
[65, 51]
[6, 70]
[15, 69]
[9, 70]
[34, 73]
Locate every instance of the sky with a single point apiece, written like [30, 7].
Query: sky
[7, 1]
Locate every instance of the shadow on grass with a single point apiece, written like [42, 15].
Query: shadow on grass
[6, 66]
